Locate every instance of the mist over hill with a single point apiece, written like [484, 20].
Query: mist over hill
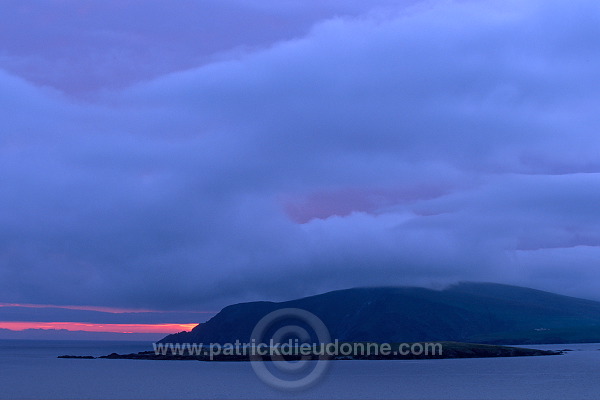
[465, 312]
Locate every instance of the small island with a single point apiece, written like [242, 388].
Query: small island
[450, 350]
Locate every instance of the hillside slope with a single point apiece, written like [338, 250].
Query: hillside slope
[466, 312]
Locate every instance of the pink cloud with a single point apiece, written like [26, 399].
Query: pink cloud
[344, 202]
[80, 46]
[111, 310]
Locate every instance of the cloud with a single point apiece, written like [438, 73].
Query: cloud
[81, 46]
[451, 141]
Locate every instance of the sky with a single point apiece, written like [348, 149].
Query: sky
[171, 158]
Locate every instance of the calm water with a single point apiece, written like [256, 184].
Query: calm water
[30, 370]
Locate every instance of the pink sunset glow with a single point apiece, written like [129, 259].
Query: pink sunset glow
[89, 327]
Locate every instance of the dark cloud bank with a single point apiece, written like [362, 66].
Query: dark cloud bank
[418, 146]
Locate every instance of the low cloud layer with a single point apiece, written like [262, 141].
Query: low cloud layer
[417, 146]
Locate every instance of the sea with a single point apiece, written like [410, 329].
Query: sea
[31, 370]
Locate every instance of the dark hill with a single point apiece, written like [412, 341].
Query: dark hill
[466, 312]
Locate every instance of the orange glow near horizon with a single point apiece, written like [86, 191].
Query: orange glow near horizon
[91, 327]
